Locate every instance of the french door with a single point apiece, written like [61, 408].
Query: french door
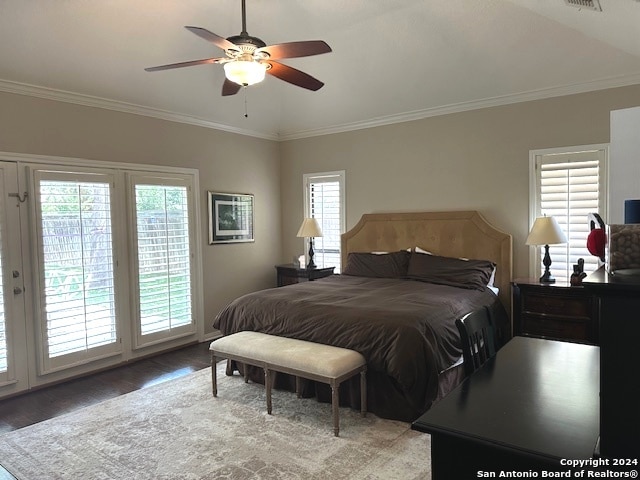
[97, 266]
[13, 345]
[75, 281]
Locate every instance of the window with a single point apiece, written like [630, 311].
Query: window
[568, 184]
[324, 200]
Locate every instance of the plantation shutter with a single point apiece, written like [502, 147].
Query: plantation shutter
[324, 203]
[76, 267]
[570, 187]
[163, 258]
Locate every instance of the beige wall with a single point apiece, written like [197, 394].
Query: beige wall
[227, 162]
[473, 160]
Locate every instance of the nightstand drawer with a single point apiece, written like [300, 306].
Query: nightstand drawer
[558, 311]
[565, 306]
[557, 328]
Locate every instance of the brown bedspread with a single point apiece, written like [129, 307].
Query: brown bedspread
[404, 328]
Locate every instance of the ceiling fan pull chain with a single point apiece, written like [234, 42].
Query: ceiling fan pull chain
[246, 114]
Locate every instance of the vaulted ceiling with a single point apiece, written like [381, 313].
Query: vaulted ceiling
[392, 60]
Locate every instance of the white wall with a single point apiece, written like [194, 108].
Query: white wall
[624, 168]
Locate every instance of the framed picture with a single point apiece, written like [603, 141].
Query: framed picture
[230, 217]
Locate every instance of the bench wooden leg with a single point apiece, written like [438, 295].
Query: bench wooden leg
[267, 385]
[298, 390]
[214, 382]
[363, 392]
[335, 401]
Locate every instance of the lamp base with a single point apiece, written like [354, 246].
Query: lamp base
[547, 278]
[311, 265]
[546, 261]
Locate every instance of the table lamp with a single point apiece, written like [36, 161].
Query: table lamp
[546, 231]
[310, 228]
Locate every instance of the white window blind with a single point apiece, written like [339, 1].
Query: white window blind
[571, 185]
[325, 202]
[163, 257]
[75, 246]
[113, 261]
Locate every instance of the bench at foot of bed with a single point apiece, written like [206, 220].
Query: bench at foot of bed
[313, 361]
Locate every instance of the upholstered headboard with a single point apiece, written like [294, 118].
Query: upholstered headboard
[452, 234]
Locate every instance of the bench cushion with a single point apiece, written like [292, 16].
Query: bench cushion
[315, 358]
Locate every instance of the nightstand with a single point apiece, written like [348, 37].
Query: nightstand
[289, 274]
[556, 311]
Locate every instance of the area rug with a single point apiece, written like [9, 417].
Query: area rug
[178, 430]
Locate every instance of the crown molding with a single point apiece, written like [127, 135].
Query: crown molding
[107, 104]
[602, 84]
[98, 102]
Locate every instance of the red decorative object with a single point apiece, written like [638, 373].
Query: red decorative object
[597, 238]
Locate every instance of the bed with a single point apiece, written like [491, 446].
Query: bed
[406, 278]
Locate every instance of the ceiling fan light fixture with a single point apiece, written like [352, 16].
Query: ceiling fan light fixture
[245, 72]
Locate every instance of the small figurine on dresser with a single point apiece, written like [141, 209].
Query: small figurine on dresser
[578, 273]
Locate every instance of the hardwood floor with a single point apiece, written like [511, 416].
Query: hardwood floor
[49, 402]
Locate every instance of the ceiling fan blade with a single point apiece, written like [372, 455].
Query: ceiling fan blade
[183, 64]
[296, 49]
[221, 42]
[294, 76]
[229, 88]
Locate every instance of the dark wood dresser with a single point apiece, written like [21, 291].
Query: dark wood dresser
[556, 311]
[619, 300]
[289, 274]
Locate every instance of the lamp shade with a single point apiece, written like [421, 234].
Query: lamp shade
[309, 228]
[546, 231]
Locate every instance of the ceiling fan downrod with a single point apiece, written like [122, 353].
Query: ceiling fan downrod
[244, 41]
[244, 20]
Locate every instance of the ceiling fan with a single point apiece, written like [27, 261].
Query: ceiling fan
[248, 59]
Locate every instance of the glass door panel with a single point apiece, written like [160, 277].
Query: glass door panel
[76, 251]
[163, 259]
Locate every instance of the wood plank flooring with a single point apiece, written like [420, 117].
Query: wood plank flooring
[49, 402]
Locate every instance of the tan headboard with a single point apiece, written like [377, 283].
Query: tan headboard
[451, 234]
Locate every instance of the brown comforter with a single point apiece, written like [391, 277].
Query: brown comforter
[404, 328]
